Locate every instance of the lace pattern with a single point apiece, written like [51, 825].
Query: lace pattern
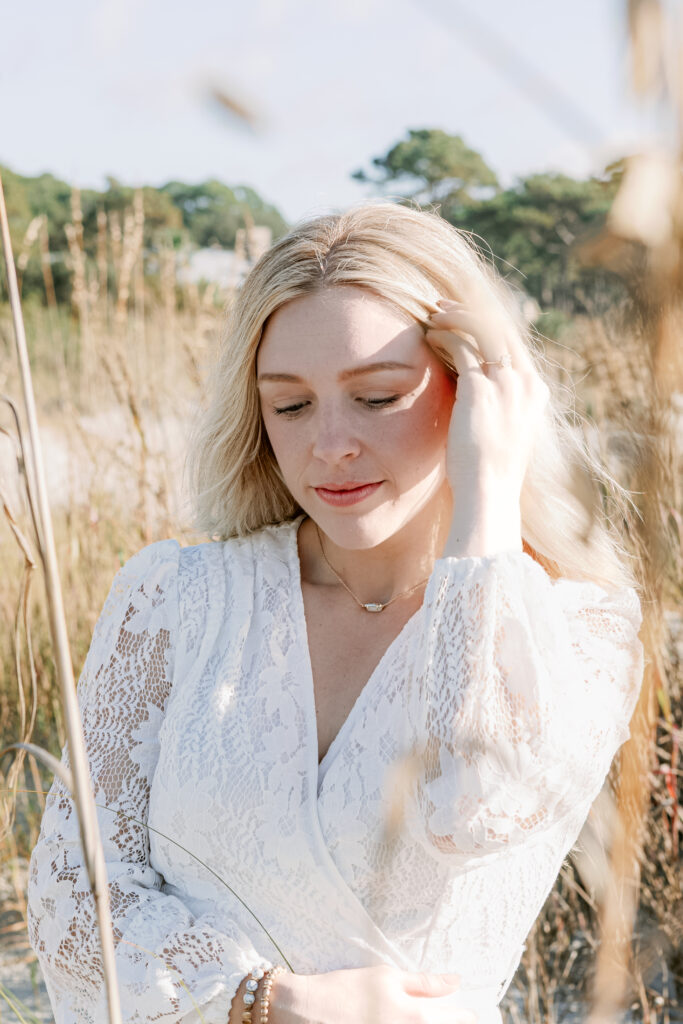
[160, 945]
[199, 719]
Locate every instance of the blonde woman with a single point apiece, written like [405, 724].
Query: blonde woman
[355, 734]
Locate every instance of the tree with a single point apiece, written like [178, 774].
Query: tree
[212, 212]
[437, 164]
[533, 230]
[204, 214]
[537, 225]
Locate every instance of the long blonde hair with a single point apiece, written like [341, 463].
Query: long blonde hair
[410, 258]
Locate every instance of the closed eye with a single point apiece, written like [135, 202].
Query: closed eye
[290, 410]
[377, 403]
[371, 403]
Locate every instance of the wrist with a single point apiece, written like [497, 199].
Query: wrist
[486, 520]
[276, 1003]
[286, 1002]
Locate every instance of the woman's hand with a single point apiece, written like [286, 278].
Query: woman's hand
[367, 995]
[497, 410]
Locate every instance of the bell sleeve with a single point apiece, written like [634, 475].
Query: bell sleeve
[524, 687]
[171, 965]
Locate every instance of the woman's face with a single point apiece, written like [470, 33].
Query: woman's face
[357, 408]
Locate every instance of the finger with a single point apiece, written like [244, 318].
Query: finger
[460, 350]
[495, 333]
[490, 332]
[423, 984]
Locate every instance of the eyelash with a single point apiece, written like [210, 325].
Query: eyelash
[371, 403]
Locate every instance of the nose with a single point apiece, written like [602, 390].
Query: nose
[334, 439]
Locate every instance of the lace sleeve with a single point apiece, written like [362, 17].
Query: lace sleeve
[525, 689]
[168, 962]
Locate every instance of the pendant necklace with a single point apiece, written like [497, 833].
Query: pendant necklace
[371, 606]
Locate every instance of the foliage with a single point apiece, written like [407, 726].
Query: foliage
[533, 229]
[176, 215]
[439, 164]
[212, 212]
[537, 226]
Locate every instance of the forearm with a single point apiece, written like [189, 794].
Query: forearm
[486, 520]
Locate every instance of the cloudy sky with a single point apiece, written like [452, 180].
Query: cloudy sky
[122, 87]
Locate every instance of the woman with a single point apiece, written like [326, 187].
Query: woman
[359, 730]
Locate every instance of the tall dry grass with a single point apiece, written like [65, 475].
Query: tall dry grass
[114, 384]
[76, 777]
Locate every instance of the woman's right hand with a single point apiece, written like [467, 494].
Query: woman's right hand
[367, 995]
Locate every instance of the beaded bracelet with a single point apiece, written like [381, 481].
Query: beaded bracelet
[249, 996]
[267, 984]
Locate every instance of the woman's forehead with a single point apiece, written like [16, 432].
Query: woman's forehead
[338, 324]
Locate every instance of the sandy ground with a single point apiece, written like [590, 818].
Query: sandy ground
[25, 983]
[100, 456]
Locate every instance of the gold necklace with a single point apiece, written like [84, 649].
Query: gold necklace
[371, 606]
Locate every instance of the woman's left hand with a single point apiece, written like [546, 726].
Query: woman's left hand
[497, 410]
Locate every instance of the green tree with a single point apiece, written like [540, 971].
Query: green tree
[176, 214]
[533, 230]
[537, 227]
[433, 165]
[212, 212]
[27, 198]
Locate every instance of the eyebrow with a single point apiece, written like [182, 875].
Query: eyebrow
[356, 371]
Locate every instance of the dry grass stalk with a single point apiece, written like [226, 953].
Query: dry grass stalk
[167, 282]
[79, 289]
[87, 815]
[245, 112]
[139, 279]
[125, 391]
[649, 218]
[131, 251]
[74, 237]
[102, 270]
[30, 237]
[46, 268]
[116, 243]
[22, 618]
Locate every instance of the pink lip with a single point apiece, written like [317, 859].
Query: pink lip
[346, 495]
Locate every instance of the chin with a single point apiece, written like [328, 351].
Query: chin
[360, 531]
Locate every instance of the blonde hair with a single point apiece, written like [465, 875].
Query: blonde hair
[410, 258]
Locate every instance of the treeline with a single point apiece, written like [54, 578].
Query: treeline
[540, 230]
[544, 231]
[42, 211]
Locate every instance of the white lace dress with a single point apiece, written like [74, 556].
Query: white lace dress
[199, 717]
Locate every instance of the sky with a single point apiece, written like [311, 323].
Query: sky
[90, 88]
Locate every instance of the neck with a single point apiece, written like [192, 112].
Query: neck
[379, 573]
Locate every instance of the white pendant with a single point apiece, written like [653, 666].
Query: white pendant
[373, 607]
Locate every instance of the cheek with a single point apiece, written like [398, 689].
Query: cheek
[276, 435]
[445, 400]
[290, 447]
[426, 430]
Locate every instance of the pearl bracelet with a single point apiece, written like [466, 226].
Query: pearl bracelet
[267, 984]
[249, 996]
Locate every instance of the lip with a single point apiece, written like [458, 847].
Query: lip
[341, 495]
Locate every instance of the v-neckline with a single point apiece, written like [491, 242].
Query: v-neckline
[320, 768]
